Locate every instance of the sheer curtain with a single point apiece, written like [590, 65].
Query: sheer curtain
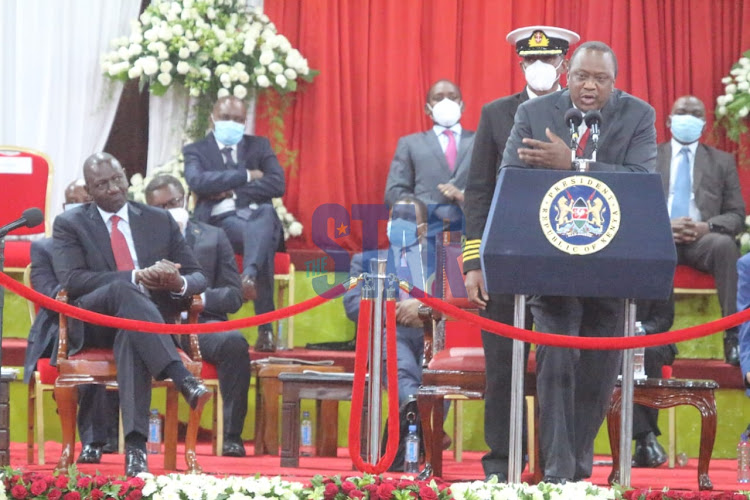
[168, 117]
[52, 93]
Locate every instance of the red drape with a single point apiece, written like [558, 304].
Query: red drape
[377, 59]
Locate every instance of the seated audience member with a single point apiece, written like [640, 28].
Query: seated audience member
[227, 350]
[705, 205]
[128, 260]
[97, 428]
[235, 177]
[406, 259]
[656, 316]
[743, 302]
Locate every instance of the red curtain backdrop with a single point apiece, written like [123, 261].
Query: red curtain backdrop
[377, 58]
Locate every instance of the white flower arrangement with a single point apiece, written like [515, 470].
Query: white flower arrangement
[733, 107]
[480, 490]
[214, 48]
[186, 486]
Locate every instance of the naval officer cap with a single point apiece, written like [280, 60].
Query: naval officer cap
[542, 40]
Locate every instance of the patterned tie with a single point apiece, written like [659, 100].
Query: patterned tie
[682, 187]
[120, 249]
[228, 160]
[450, 151]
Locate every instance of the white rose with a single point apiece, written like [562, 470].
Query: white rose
[134, 49]
[211, 13]
[721, 111]
[283, 44]
[289, 217]
[221, 35]
[184, 53]
[123, 53]
[240, 91]
[743, 86]
[195, 92]
[726, 80]
[177, 30]
[728, 98]
[742, 113]
[219, 51]
[205, 73]
[150, 65]
[266, 57]
[166, 67]
[249, 47]
[165, 79]
[281, 81]
[163, 55]
[234, 74]
[187, 3]
[165, 33]
[239, 66]
[275, 68]
[745, 62]
[295, 229]
[745, 239]
[222, 93]
[135, 72]
[193, 46]
[164, 8]
[721, 100]
[244, 77]
[259, 70]
[222, 68]
[735, 71]
[281, 211]
[146, 18]
[290, 74]
[263, 81]
[225, 80]
[731, 88]
[183, 67]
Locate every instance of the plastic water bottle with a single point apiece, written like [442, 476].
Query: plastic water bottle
[639, 370]
[281, 334]
[305, 435]
[743, 459]
[411, 458]
[153, 445]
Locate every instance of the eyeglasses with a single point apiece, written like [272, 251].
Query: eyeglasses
[177, 202]
[582, 77]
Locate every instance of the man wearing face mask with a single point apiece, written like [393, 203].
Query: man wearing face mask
[433, 165]
[705, 205]
[235, 177]
[542, 50]
[227, 350]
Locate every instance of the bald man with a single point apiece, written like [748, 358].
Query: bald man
[236, 176]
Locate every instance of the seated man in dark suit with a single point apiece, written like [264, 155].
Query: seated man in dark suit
[235, 177]
[229, 351]
[96, 439]
[705, 204]
[128, 260]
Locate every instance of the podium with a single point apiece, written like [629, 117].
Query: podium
[577, 234]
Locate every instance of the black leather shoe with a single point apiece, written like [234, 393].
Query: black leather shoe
[265, 342]
[731, 348]
[90, 454]
[648, 452]
[233, 448]
[135, 461]
[110, 446]
[195, 392]
[249, 291]
[554, 480]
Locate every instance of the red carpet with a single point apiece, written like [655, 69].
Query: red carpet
[722, 472]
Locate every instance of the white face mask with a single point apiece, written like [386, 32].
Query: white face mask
[446, 112]
[181, 216]
[541, 76]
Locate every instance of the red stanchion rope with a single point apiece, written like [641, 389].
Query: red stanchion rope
[168, 328]
[555, 340]
[358, 388]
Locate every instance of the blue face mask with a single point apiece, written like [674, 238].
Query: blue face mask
[686, 128]
[229, 132]
[402, 233]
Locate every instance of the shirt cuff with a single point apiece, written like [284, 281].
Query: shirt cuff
[182, 291]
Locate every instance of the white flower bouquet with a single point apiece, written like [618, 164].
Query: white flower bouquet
[733, 107]
[213, 48]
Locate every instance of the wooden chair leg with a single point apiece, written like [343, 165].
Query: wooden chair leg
[120, 434]
[458, 430]
[30, 415]
[530, 433]
[326, 428]
[67, 401]
[191, 439]
[219, 420]
[39, 419]
[170, 429]
[672, 445]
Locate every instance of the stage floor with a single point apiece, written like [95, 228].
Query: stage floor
[723, 473]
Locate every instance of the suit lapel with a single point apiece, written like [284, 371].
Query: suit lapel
[192, 233]
[140, 232]
[463, 149]
[101, 235]
[558, 123]
[214, 153]
[433, 144]
[609, 118]
[699, 169]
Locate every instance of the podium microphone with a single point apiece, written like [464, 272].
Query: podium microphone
[573, 119]
[593, 121]
[29, 218]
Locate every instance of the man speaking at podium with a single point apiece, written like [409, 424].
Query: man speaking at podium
[574, 386]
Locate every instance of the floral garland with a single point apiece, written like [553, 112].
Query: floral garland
[733, 107]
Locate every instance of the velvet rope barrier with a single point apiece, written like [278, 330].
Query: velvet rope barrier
[555, 340]
[169, 328]
[358, 388]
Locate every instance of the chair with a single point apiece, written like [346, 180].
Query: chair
[688, 280]
[283, 273]
[96, 365]
[29, 173]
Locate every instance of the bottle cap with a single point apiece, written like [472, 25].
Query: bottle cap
[412, 428]
[154, 411]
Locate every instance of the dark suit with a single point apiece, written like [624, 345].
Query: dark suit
[419, 165]
[84, 261]
[574, 386]
[227, 350]
[494, 128]
[718, 197]
[254, 229]
[97, 406]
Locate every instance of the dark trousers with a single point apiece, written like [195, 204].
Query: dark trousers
[645, 419]
[98, 423]
[229, 352]
[574, 386]
[139, 356]
[498, 353]
[255, 234]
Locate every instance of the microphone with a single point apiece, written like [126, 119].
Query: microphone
[30, 217]
[593, 121]
[573, 119]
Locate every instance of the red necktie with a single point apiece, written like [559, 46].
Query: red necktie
[120, 249]
[582, 143]
[450, 151]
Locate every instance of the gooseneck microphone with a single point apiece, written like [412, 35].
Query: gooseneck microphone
[29, 218]
[573, 119]
[593, 121]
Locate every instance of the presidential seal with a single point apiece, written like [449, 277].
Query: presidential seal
[579, 215]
